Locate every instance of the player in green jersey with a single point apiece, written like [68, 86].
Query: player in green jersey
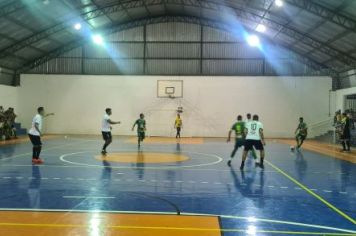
[238, 128]
[141, 128]
[301, 132]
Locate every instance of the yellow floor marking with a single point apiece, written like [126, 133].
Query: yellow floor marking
[330, 150]
[143, 157]
[167, 140]
[118, 227]
[312, 193]
[67, 223]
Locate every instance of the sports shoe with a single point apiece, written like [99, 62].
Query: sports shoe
[103, 152]
[229, 163]
[37, 161]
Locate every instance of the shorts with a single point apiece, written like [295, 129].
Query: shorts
[345, 136]
[35, 140]
[141, 135]
[249, 144]
[301, 136]
[106, 135]
[239, 142]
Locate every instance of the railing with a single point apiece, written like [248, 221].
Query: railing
[321, 127]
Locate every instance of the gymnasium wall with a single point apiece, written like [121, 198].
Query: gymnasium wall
[340, 97]
[8, 97]
[210, 103]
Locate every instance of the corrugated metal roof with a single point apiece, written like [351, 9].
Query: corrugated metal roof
[315, 30]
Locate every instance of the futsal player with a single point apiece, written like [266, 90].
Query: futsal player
[301, 132]
[178, 124]
[254, 139]
[141, 129]
[253, 152]
[106, 129]
[239, 129]
[35, 135]
[346, 134]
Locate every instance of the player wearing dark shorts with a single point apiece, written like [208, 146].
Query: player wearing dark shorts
[141, 129]
[178, 123]
[106, 129]
[301, 132]
[254, 139]
[239, 128]
[35, 135]
[346, 134]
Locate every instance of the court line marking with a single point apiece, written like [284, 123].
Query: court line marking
[158, 181]
[183, 214]
[43, 150]
[89, 197]
[219, 159]
[130, 227]
[305, 188]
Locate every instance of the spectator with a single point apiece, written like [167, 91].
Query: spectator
[7, 123]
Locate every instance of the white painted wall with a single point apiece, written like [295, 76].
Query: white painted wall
[340, 97]
[211, 104]
[8, 97]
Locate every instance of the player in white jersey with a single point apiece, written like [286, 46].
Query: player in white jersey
[254, 139]
[253, 151]
[106, 129]
[35, 135]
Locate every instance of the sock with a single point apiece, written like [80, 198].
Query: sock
[38, 152]
[348, 145]
[34, 151]
[242, 163]
[343, 145]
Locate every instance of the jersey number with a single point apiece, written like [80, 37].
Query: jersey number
[254, 127]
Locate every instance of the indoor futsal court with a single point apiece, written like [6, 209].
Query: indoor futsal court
[177, 117]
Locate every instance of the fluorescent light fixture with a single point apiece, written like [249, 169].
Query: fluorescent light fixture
[253, 40]
[279, 3]
[98, 39]
[261, 28]
[77, 26]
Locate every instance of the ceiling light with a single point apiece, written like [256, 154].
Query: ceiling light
[279, 3]
[261, 28]
[77, 26]
[253, 40]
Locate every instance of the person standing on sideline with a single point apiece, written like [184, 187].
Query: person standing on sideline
[254, 139]
[106, 129]
[35, 134]
[346, 133]
[178, 124]
[239, 128]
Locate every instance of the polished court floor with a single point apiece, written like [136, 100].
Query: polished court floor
[174, 188]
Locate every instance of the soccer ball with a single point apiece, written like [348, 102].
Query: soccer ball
[292, 148]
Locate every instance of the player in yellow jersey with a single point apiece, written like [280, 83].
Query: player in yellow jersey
[178, 124]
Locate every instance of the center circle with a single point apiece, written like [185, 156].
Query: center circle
[143, 157]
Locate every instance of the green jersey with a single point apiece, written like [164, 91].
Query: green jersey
[302, 128]
[141, 125]
[239, 128]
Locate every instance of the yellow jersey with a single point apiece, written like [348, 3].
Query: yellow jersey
[178, 122]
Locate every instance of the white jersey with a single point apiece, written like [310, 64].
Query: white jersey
[36, 120]
[106, 127]
[253, 130]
